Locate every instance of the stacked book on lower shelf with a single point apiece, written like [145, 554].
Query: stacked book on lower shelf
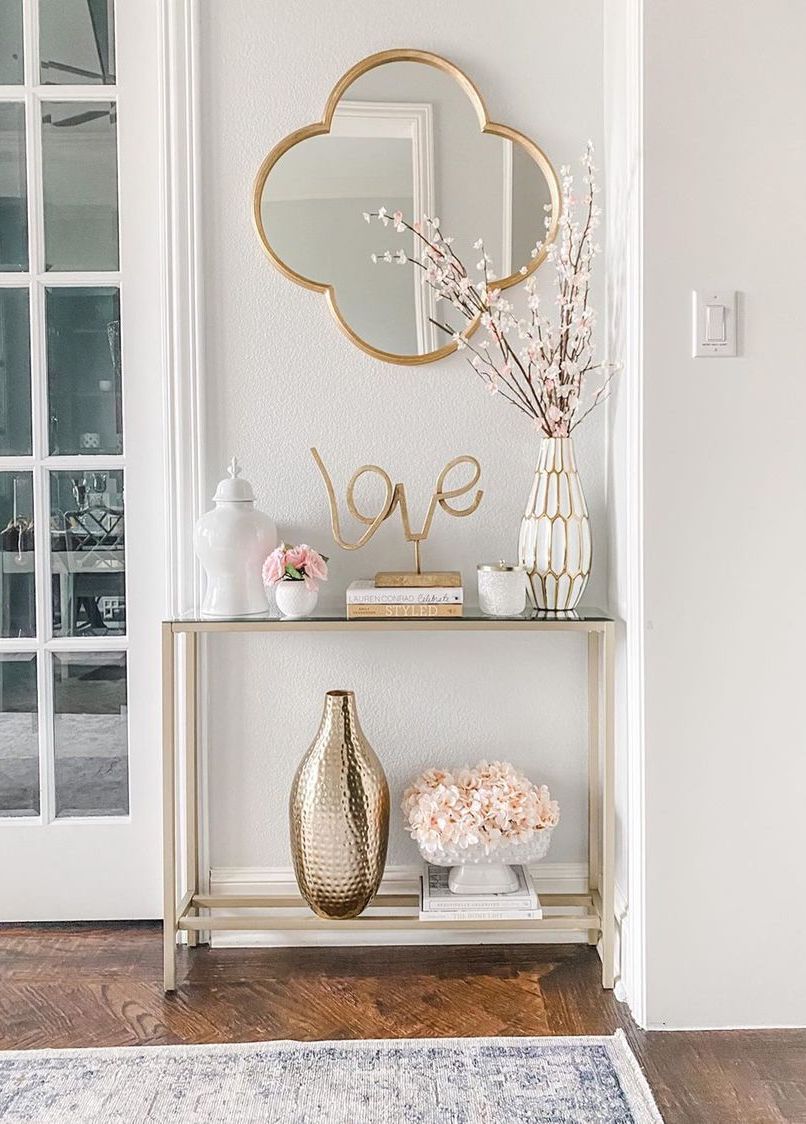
[367, 601]
[439, 903]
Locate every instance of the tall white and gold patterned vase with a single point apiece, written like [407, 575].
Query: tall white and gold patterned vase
[555, 540]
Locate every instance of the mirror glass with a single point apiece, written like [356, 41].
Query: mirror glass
[405, 136]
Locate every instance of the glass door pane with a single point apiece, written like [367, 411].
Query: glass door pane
[11, 59]
[77, 42]
[15, 374]
[88, 553]
[84, 395]
[17, 576]
[80, 172]
[19, 735]
[90, 734]
[13, 190]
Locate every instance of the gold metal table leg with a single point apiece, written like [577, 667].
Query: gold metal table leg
[608, 808]
[191, 765]
[594, 768]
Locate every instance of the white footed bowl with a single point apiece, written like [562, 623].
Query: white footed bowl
[476, 871]
[508, 853]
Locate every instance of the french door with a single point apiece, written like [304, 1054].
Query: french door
[81, 488]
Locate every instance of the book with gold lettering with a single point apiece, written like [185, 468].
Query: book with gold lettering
[368, 611]
[366, 593]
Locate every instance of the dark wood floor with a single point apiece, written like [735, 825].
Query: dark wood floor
[99, 985]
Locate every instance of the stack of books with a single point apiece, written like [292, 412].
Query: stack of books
[438, 903]
[366, 600]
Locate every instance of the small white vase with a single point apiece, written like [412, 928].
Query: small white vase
[555, 540]
[294, 599]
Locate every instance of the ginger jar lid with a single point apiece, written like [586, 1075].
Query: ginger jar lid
[233, 489]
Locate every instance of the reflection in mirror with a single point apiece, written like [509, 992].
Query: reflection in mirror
[19, 735]
[407, 136]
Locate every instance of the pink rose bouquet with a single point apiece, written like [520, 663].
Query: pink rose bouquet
[295, 564]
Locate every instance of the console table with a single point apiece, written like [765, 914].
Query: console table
[592, 913]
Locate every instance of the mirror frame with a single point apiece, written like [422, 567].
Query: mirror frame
[322, 127]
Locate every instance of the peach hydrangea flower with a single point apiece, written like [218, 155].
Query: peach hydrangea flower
[491, 805]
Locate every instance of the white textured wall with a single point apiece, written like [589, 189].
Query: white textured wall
[725, 535]
[281, 377]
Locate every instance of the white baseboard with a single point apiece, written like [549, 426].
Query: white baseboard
[549, 878]
[622, 949]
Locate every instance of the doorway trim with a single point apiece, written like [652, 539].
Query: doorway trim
[183, 343]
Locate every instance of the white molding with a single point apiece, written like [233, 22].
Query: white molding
[183, 340]
[623, 83]
[623, 940]
[554, 878]
[636, 960]
[412, 121]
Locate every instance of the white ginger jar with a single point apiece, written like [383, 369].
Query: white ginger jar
[232, 542]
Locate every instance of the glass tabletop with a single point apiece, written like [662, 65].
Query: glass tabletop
[330, 614]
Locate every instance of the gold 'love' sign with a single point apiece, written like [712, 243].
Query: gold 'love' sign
[395, 496]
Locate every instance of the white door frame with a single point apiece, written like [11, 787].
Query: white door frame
[183, 350]
[623, 165]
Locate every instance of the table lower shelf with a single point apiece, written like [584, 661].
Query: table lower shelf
[561, 912]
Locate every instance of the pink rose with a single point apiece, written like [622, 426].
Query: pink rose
[274, 567]
[314, 566]
[296, 556]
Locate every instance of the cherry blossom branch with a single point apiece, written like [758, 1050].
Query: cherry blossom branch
[546, 377]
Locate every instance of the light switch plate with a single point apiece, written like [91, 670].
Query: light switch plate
[714, 323]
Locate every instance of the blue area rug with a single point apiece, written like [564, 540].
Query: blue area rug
[410, 1081]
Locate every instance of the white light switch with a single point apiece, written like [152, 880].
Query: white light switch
[714, 324]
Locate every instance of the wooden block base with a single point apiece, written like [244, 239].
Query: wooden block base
[409, 579]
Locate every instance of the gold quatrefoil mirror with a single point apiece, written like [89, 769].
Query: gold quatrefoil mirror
[408, 131]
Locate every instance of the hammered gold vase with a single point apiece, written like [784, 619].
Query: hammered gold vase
[339, 815]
